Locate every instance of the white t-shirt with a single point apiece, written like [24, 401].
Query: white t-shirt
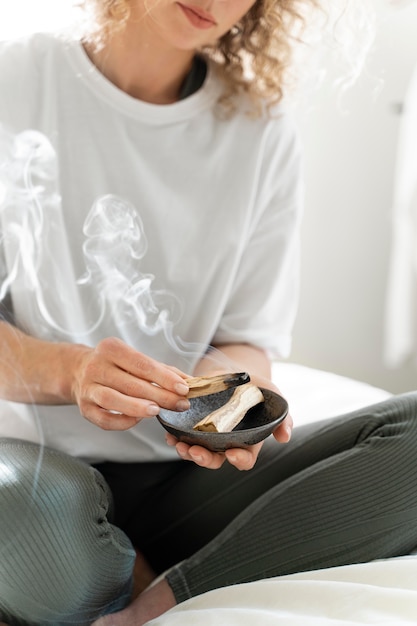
[165, 225]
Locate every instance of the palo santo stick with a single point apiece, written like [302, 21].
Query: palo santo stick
[225, 418]
[205, 385]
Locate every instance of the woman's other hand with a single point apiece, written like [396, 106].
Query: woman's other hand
[228, 358]
[116, 386]
[241, 458]
[283, 432]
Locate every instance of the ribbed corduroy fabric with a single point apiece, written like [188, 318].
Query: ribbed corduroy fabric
[342, 491]
[346, 492]
[61, 561]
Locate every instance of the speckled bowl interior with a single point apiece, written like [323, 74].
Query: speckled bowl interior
[259, 422]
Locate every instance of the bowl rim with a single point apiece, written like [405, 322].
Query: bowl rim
[216, 435]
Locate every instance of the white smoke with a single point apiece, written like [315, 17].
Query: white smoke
[33, 232]
[114, 245]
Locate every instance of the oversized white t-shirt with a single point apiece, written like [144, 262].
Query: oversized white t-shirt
[168, 226]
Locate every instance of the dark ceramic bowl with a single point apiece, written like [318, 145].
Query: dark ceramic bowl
[259, 422]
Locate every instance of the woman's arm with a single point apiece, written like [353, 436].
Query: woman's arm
[35, 371]
[114, 385]
[237, 357]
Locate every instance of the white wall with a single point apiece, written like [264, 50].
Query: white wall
[350, 160]
[20, 17]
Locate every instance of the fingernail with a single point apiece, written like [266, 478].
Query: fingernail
[182, 388]
[152, 410]
[196, 457]
[182, 405]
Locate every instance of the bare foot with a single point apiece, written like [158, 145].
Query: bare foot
[153, 602]
[143, 575]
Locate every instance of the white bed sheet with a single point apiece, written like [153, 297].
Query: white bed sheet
[315, 394]
[382, 593]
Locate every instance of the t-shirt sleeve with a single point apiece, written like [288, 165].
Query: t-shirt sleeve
[262, 306]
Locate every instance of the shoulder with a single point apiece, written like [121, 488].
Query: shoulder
[275, 123]
[276, 129]
[27, 64]
[30, 50]
[252, 111]
[268, 138]
[284, 131]
[23, 61]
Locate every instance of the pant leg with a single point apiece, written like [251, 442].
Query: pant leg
[348, 494]
[61, 561]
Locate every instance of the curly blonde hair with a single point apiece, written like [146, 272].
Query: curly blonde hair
[255, 56]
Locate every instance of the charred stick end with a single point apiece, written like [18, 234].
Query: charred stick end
[205, 385]
[233, 380]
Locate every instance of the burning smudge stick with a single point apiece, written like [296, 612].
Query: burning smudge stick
[225, 418]
[205, 385]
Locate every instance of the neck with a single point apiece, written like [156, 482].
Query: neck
[141, 66]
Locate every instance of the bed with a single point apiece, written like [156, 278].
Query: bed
[381, 592]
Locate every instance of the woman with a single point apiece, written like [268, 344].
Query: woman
[154, 180]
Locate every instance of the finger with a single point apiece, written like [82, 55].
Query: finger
[180, 373]
[112, 400]
[107, 420]
[142, 366]
[243, 458]
[283, 433]
[171, 441]
[131, 387]
[200, 456]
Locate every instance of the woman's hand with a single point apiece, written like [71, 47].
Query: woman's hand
[116, 386]
[241, 458]
[283, 432]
